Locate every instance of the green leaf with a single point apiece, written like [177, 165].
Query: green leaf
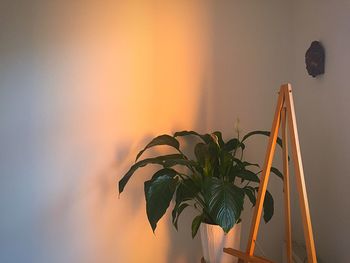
[201, 152]
[238, 162]
[245, 164]
[226, 163]
[268, 207]
[165, 171]
[250, 192]
[176, 213]
[277, 172]
[248, 175]
[225, 202]
[186, 190]
[161, 160]
[233, 173]
[158, 192]
[233, 144]
[219, 136]
[161, 140]
[195, 224]
[205, 137]
[266, 133]
[179, 161]
[206, 152]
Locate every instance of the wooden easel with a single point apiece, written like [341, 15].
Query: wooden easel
[284, 113]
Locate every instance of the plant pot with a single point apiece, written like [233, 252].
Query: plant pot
[214, 240]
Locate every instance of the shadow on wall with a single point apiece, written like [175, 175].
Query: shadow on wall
[182, 247]
[176, 99]
[107, 75]
[176, 246]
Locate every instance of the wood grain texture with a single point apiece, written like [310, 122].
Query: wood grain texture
[299, 176]
[243, 256]
[286, 187]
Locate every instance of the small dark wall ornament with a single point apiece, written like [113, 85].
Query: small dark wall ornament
[315, 59]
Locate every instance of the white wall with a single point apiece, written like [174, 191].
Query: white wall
[256, 48]
[251, 54]
[84, 84]
[322, 106]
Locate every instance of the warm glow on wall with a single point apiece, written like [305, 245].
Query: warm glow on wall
[133, 69]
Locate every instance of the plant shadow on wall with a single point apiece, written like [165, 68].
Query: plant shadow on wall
[214, 183]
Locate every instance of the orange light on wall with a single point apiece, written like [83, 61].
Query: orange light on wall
[133, 69]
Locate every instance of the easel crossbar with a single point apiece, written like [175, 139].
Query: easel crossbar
[244, 256]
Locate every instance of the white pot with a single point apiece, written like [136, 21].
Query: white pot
[214, 240]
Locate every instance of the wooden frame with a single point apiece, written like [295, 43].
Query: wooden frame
[284, 113]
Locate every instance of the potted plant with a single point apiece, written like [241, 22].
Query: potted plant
[214, 182]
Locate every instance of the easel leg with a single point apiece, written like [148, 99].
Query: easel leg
[265, 176]
[300, 180]
[285, 99]
[286, 188]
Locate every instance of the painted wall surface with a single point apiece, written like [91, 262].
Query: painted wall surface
[256, 48]
[322, 107]
[84, 84]
[251, 54]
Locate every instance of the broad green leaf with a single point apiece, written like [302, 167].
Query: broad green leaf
[161, 140]
[250, 192]
[248, 175]
[164, 171]
[233, 144]
[158, 192]
[195, 224]
[201, 152]
[226, 163]
[205, 137]
[207, 218]
[233, 173]
[161, 160]
[207, 156]
[219, 136]
[268, 207]
[186, 190]
[225, 202]
[277, 172]
[214, 150]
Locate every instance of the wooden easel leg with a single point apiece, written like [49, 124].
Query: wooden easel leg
[300, 180]
[287, 113]
[265, 175]
[286, 188]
